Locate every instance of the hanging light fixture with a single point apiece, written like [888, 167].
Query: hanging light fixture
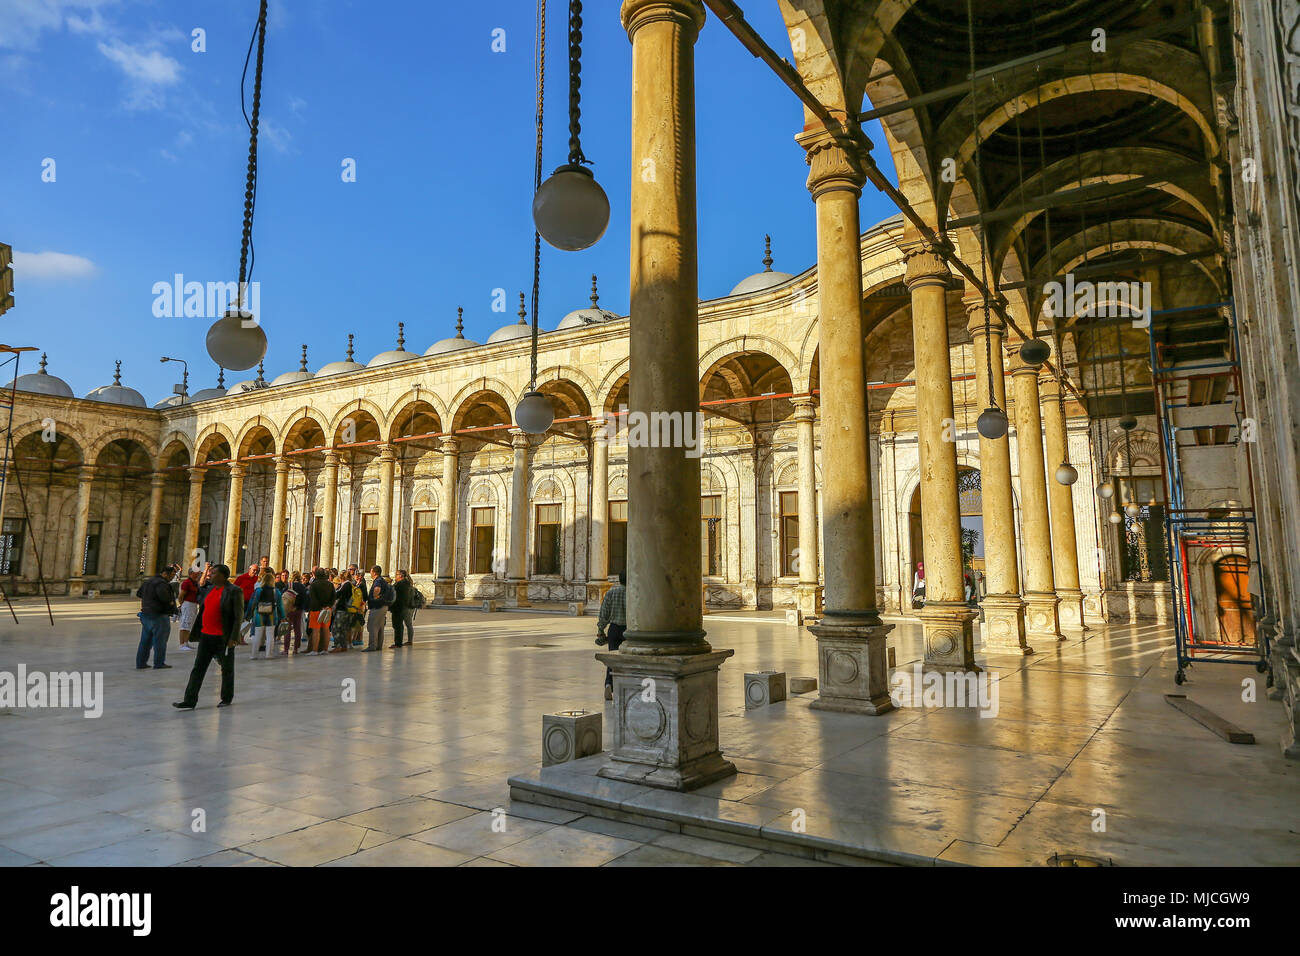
[1114, 517]
[1132, 509]
[1066, 473]
[534, 413]
[1035, 352]
[236, 340]
[1105, 490]
[570, 209]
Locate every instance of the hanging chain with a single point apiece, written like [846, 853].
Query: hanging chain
[575, 84]
[988, 339]
[540, 56]
[250, 185]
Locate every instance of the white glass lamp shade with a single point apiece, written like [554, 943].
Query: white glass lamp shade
[236, 341]
[1067, 474]
[570, 210]
[1105, 490]
[1114, 517]
[534, 413]
[1132, 509]
[992, 423]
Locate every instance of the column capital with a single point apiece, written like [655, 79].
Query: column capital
[519, 440]
[974, 304]
[386, 452]
[331, 459]
[805, 408]
[238, 470]
[157, 480]
[197, 474]
[282, 465]
[599, 430]
[637, 13]
[834, 162]
[1049, 386]
[926, 264]
[86, 473]
[449, 445]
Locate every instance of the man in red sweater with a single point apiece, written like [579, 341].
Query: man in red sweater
[247, 582]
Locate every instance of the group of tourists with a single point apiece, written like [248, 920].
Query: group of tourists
[268, 611]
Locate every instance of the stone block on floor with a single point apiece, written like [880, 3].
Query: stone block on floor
[803, 685]
[569, 735]
[763, 688]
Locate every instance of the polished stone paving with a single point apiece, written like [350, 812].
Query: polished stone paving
[414, 772]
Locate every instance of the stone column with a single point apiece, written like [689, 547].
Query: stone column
[810, 591]
[233, 510]
[949, 641]
[277, 513]
[77, 572]
[193, 508]
[444, 586]
[517, 576]
[384, 537]
[157, 483]
[1039, 595]
[1060, 501]
[330, 509]
[1004, 612]
[598, 583]
[669, 737]
[852, 665]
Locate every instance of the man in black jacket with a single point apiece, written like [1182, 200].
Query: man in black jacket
[221, 609]
[156, 608]
[401, 609]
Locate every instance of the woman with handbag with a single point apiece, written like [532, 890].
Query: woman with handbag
[265, 611]
[320, 604]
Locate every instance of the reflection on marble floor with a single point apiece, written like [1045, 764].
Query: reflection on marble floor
[414, 772]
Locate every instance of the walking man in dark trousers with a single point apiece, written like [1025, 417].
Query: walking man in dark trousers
[221, 609]
[612, 623]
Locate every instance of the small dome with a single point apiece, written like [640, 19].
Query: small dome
[206, 393]
[117, 393]
[172, 401]
[515, 330]
[591, 315]
[398, 354]
[301, 375]
[457, 341]
[251, 384]
[766, 279]
[43, 383]
[338, 368]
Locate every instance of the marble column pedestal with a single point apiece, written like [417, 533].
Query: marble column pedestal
[1041, 621]
[444, 592]
[517, 594]
[809, 598]
[1004, 625]
[853, 673]
[76, 587]
[665, 731]
[596, 591]
[949, 636]
[1069, 610]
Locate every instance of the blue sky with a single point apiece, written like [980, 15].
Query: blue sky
[149, 149]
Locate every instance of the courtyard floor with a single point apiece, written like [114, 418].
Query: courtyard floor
[1084, 756]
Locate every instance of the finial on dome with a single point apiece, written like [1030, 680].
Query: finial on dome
[117, 373]
[260, 379]
[43, 363]
[303, 365]
[767, 253]
[595, 296]
[349, 346]
[460, 323]
[523, 312]
[401, 336]
[221, 376]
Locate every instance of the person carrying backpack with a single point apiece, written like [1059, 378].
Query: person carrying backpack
[265, 611]
[380, 597]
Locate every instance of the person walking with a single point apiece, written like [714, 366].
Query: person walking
[403, 610]
[612, 624]
[378, 601]
[221, 608]
[320, 603]
[156, 609]
[265, 611]
[189, 607]
[292, 612]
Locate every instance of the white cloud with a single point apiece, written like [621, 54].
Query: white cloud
[51, 265]
[148, 67]
[25, 20]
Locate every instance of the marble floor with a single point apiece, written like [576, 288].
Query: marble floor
[414, 770]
